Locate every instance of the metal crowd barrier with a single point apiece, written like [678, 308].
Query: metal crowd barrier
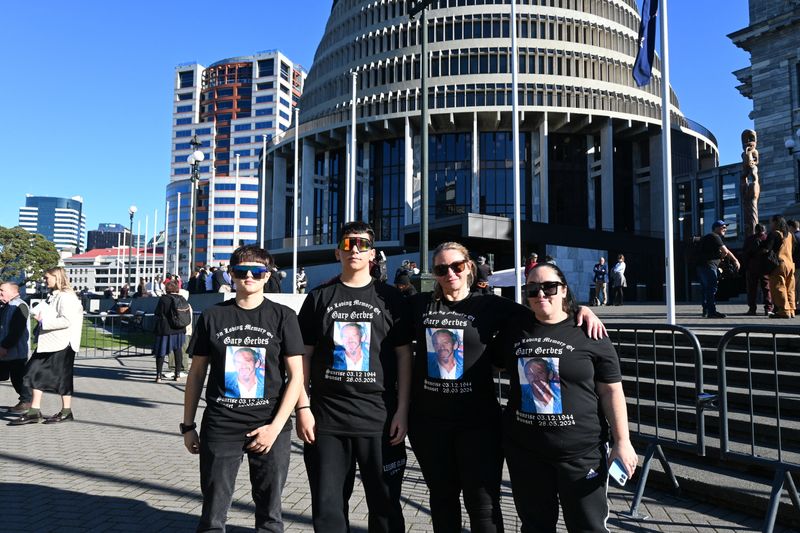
[771, 400]
[118, 335]
[667, 398]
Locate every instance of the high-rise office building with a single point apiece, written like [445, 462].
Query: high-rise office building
[108, 235]
[60, 220]
[233, 106]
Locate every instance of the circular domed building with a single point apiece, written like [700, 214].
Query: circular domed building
[590, 148]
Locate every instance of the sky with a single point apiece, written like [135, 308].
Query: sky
[87, 87]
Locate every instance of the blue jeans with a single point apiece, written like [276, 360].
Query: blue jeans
[708, 275]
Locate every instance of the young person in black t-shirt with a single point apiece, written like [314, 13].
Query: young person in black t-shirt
[357, 410]
[565, 392]
[253, 348]
[454, 421]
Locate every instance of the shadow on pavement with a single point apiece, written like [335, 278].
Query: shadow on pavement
[66, 510]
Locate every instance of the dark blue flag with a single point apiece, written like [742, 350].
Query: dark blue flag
[643, 67]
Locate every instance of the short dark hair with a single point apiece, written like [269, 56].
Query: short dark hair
[250, 253]
[357, 226]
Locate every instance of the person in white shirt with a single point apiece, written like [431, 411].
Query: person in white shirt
[447, 348]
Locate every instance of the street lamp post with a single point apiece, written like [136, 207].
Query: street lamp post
[792, 145]
[131, 211]
[420, 7]
[194, 160]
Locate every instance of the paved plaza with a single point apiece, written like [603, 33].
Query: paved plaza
[121, 466]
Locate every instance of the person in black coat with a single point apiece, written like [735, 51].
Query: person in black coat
[168, 338]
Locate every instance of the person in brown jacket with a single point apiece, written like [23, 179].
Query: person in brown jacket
[781, 279]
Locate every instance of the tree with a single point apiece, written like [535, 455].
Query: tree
[25, 256]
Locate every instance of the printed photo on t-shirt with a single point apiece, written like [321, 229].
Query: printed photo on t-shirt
[540, 384]
[351, 346]
[244, 372]
[445, 353]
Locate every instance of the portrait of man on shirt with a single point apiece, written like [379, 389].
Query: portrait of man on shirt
[445, 353]
[540, 384]
[351, 346]
[244, 376]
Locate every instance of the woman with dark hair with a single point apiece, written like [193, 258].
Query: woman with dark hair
[454, 419]
[170, 336]
[50, 368]
[618, 281]
[565, 392]
[781, 280]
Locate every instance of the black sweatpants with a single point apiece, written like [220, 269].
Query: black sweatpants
[453, 461]
[15, 369]
[331, 462]
[219, 464]
[581, 485]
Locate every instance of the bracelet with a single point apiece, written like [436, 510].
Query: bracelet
[304, 407]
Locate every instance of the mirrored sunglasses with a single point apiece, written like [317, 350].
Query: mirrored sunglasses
[549, 288]
[456, 266]
[258, 271]
[349, 244]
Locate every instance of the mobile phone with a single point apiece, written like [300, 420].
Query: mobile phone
[618, 473]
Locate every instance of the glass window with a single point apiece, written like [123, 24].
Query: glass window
[183, 133]
[184, 109]
[264, 125]
[224, 200]
[224, 214]
[223, 228]
[284, 115]
[248, 187]
[248, 201]
[243, 127]
[248, 214]
[224, 187]
[222, 242]
[264, 112]
[264, 98]
[248, 229]
[181, 171]
[183, 121]
[241, 140]
[186, 79]
[285, 102]
[497, 174]
[203, 131]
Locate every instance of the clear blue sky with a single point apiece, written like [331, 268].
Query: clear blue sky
[87, 86]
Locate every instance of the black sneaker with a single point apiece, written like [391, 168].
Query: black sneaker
[716, 314]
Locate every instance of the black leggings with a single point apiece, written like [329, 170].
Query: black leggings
[619, 297]
[468, 460]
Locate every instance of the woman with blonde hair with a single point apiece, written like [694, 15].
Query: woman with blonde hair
[50, 367]
[454, 417]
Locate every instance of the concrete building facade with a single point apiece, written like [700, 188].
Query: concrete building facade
[234, 107]
[772, 82]
[590, 160]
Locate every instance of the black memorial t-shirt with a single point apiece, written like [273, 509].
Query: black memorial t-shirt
[553, 407]
[248, 374]
[452, 383]
[354, 332]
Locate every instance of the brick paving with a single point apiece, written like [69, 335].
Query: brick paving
[121, 466]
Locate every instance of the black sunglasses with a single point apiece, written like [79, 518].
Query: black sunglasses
[549, 288]
[240, 271]
[348, 244]
[456, 266]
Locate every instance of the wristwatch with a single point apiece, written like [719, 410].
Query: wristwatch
[187, 428]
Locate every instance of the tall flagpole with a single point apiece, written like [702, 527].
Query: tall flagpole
[138, 234]
[177, 233]
[236, 205]
[166, 235]
[515, 151]
[155, 241]
[263, 191]
[666, 169]
[146, 231]
[119, 268]
[295, 210]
